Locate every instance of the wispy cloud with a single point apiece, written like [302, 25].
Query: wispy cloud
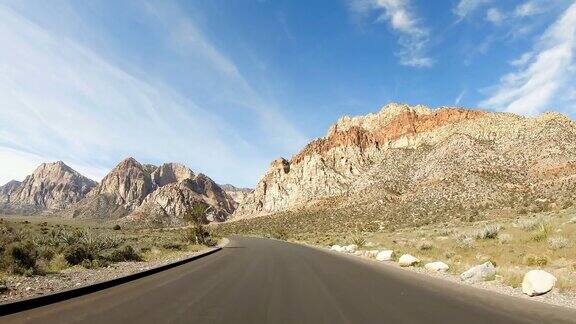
[495, 16]
[543, 74]
[61, 100]
[466, 7]
[402, 18]
[528, 8]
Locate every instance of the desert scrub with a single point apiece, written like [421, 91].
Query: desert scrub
[541, 232]
[490, 231]
[557, 242]
[20, 258]
[505, 238]
[464, 240]
[3, 284]
[359, 241]
[511, 277]
[425, 246]
[534, 260]
[530, 224]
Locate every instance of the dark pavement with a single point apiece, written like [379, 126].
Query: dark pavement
[266, 281]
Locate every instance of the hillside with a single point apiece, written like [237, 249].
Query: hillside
[416, 165]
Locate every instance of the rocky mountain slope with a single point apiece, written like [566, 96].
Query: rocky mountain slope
[52, 186]
[151, 195]
[238, 194]
[415, 165]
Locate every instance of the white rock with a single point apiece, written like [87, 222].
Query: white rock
[479, 273]
[407, 260]
[438, 266]
[350, 248]
[537, 282]
[336, 248]
[386, 255]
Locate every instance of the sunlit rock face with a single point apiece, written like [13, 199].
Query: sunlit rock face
[414, 157]
[52, 186]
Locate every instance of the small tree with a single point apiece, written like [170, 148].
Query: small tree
[195, 217]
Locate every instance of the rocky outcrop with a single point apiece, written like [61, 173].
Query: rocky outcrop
[238, 194]
[170, 173]
[168, 205]
[121, 191]
[7, 189]
[415, 164]
[52, 186]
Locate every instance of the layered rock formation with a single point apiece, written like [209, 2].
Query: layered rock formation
[168, 205]
[238, 194]
[122, 189]
[7, 190]
[52, 186]
[421, 164]
[151, 195]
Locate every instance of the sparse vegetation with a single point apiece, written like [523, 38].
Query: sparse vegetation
[515, 245]
[37, 248]
[558, 242]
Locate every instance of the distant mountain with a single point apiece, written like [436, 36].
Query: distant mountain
[52, 186]
[414, 165]
[167, 205]
[120, 192]
[149, 195]
[238, 194]
[7, 189]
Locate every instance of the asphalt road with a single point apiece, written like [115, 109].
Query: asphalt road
[266, 281]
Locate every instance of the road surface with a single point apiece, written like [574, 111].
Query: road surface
[266, 281]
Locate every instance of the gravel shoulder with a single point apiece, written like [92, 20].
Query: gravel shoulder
[554, 297]
[21, 287]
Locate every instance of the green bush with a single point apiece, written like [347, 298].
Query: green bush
[127, 253]
[20, 258]
[77, 253]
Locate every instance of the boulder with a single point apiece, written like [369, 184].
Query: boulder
[479, 273]
[386, 255]
[350, 248]
[336, 248]
[537, 282]
[407, 260]
[437, 266]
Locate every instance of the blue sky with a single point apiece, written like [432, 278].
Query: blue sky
[225, 86]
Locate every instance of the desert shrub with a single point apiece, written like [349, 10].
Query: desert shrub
[530, 224]
[57, 264]
[3, 284]
[21, 257]
[534, 260]
[464, 240]
[359, 241]
[488, 232]
[558, 242]
[279, 233]
[77, 253]
[541, 233]
[127, 253]
[504, 238]
[511, 277]
[173, 246]
[424, 246]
